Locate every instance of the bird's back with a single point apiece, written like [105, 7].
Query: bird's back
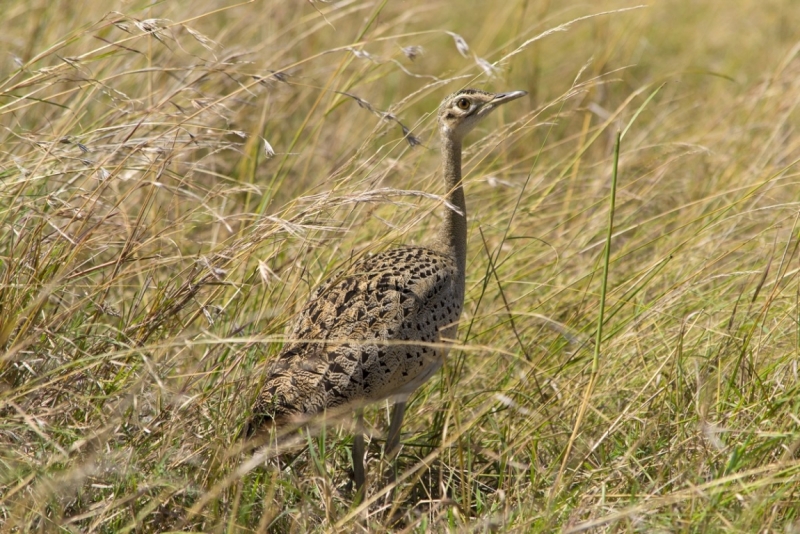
[366, 334]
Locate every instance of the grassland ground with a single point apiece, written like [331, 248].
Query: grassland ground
[176, 177]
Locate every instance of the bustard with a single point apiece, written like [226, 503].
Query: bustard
[340, 349]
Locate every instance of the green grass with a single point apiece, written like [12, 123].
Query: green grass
[152, 254]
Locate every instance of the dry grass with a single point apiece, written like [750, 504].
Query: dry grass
[175, 178]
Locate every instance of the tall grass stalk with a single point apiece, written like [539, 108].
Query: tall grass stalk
[600, 319]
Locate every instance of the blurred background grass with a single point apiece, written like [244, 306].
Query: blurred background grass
[176, 177]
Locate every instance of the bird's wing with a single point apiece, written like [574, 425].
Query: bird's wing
[354, 340]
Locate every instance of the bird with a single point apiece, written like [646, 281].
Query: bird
[380, 328]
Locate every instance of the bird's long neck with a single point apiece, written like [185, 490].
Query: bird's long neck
[452, 236]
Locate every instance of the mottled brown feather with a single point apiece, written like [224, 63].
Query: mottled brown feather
[340, 348]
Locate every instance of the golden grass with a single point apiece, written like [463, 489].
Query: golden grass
[174, 179]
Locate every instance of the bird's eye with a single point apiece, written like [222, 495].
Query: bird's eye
[463, 103]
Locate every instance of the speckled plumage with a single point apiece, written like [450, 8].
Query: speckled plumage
[403, 295]
[376, 329]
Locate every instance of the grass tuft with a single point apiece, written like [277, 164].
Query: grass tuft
[175, 179]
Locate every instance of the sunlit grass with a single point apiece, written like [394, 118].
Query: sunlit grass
[175, 179]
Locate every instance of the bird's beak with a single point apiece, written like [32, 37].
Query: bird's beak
[502, 98]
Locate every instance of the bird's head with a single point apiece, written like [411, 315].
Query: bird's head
[461, 111]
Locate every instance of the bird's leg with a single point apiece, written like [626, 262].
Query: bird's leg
[392, 446]
[359, 470]
[393, 439]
